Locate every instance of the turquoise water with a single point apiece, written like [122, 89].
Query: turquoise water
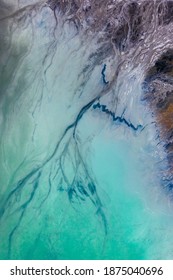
[78, 180]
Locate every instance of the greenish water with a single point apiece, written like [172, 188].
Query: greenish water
[76, 183]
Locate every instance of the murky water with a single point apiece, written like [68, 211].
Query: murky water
[80, 160]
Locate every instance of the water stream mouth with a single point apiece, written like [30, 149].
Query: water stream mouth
[86, 130]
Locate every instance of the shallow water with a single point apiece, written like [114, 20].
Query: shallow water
[80, 158]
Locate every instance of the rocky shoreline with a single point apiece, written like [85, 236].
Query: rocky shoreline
[158, 91]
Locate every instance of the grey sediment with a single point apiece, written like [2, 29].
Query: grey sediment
[139, 32]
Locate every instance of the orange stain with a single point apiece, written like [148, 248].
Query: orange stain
[165, 117]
